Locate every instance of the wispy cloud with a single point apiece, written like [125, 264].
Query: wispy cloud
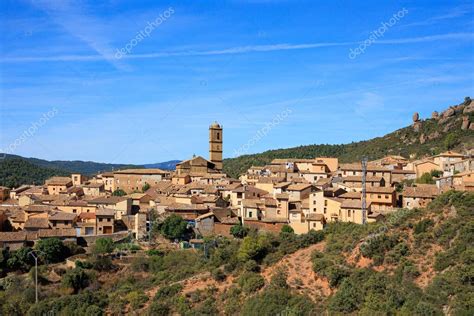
[237, 50]
[455, 13]
[73, 19]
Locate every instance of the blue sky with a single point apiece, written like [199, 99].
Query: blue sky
[241, 63]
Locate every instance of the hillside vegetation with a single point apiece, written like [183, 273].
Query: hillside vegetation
[434, 136]
[417, 262]
[16, 171]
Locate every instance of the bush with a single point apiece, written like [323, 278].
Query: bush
[287, 229]
[251, 266]
[239, 231]
[103, 246]
[253, 248]
[251, 282]
[76, 279]
[218, 275]
[423, 225]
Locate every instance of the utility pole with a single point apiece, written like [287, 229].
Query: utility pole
[36, 273]
[364, 193]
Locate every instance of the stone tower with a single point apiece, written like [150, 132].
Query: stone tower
[215, 145]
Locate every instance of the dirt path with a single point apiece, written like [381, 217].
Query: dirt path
[300, 272]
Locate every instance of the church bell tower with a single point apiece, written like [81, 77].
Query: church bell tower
[215, 145]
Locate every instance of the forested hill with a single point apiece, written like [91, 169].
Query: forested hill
[446, 130]
[16, 171]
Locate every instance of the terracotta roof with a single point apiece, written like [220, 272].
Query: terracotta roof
[274, 220]
[315, 217]
[37, 222]
[254, 203]
[281, 185]
[450, 154]
[402, 171]
[59, 181]
[60, 232]
[108, 200]
[421, 191]
[299, 187]
[351, 195]
[282, 196]
[38, 208]
[371, 189]
[359, 179]
[94, 185]
[85, 215]
[61, 216]
[104, 212]
[357, 204]
[142, 171]
[358, 167]
[12, 236]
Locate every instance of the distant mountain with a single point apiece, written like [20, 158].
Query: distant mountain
[167, 165]
[451, 129]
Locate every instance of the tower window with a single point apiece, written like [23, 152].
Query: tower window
[218, 136]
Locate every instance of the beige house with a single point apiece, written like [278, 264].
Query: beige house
[420, 196]
[105, 221]
[109, 181]
[133, 180]
[355, 169]
[447, 160]
[58, 185]
[425, 166]
[94, 189]
[121, 205]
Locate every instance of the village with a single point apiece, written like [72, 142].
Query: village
[304, 194]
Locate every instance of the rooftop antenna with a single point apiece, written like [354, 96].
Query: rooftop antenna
[364, 201]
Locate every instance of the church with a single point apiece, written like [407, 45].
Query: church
[199, 166]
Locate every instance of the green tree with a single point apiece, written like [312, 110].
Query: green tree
[450, 141]
[119, 192]
[174, 227]
[145, 187]
[52, 250]
[239, 231]
[20, 260]
[103, 246]
[426, 178]
[253, 248]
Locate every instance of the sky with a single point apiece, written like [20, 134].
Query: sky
[129, 81]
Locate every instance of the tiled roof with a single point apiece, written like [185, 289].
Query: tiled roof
[141, 171]
[58, 181]
[37, 222]
[105, 212]
[298, 187]
[371, 189]
[421, 191]
[61, 216]
[12, 236]
[315, 217]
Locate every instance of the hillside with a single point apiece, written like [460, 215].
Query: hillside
[416, 262]
[78, 166]
[16, 171]
[166, 165]
[433, 136]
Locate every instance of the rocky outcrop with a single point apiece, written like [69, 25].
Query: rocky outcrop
[435, 115]
[417, 126]
[465, 123]
[416, 117]
[422, 139]
[469, 108]
[448, 113]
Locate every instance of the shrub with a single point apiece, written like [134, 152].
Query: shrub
[253, 248]
[251, 282]
[423, 225]
[239, 231]
[103, 246]
[218, 275]
[287, 229]
[251, 266]
[76, 279]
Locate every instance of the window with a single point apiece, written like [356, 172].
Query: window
[108, 219]
[386, 196]
[349, 213]
[325, 202]
[314, 224]
[218, 135]
[74, 211]
[325, 210]
[250, 214]
[379, 196]
[314, 202]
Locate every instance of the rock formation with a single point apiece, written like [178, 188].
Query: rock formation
[416, 117]
[435, 115]
[465, 123]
